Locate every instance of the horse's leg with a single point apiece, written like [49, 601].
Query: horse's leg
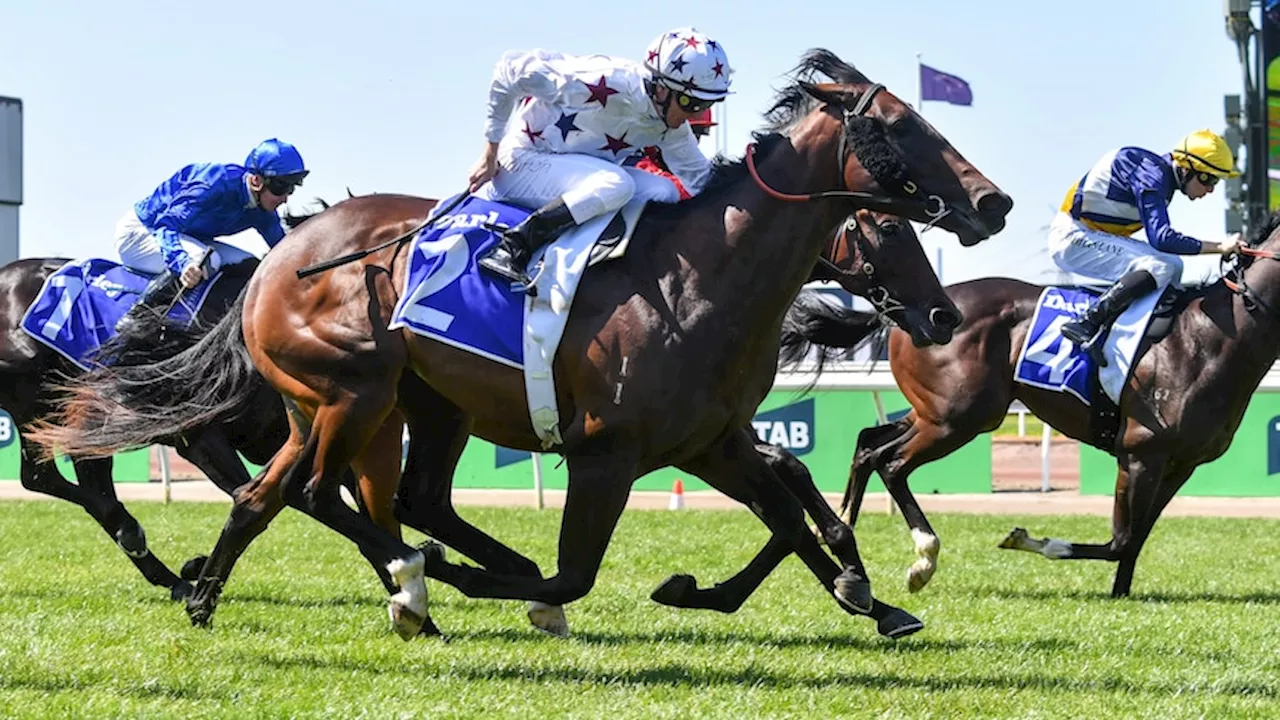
[865, 456]
[96, 494]
[735, 467]
[728, 596]
[1144, 520]
[1142, 491]
[350, 429]
[438, 433]
[599, 484]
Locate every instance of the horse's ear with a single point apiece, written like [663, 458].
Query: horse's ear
[349, 193]
[829, 93]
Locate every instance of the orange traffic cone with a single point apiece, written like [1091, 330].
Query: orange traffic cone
[676, 501]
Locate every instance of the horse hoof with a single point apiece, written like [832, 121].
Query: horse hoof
[132, 540]
[899, 624]
[1014, 540]
[919, 574]
[674, 590]
[200, 617]
[406, 621]
[549, 619]
[181, 591]
[191, 569]
[432, 552]
[854, 592]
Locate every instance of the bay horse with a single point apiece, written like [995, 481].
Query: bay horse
[1180, 408]
[663, 362]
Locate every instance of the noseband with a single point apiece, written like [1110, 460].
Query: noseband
[909, 187]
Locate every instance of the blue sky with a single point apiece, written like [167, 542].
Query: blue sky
[390, 97]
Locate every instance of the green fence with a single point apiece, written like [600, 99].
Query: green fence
[128, 467]
[820, 427]
[1249, 468]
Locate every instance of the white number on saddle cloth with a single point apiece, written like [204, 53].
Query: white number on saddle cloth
[457, 255]
[71, 289]
[1039, 351]
[6, 430]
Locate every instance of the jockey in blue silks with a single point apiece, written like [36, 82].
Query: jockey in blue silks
[168, 232]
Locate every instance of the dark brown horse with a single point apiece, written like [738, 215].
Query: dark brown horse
[1179, 410]
[695, 309]
[26, 366]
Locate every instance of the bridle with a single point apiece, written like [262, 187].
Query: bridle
[857, 280]
[1251, 299]
[879, 297]
[909, 187]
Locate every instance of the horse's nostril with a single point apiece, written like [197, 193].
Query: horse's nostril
[944, 317]
[994, 205]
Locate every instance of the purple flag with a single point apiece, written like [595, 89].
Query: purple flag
[937, 85]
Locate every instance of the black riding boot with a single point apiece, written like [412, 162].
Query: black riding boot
[510, 256]
[158, 294]
[1087, 332]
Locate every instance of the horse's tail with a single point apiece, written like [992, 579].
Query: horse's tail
[128, 406]
[816, 325]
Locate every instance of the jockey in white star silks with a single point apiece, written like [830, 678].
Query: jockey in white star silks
[578, 119]
[1129, 190]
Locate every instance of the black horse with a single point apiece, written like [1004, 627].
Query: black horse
[27, 365]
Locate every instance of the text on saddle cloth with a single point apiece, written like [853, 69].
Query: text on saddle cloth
[1051, 362]
[77, 308]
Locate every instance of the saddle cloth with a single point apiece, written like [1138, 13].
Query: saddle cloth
[448, 298]
[1051, 362]
[78, 306]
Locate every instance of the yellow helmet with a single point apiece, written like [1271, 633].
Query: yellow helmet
[1205, 151]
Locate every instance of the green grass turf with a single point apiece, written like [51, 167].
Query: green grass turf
[302, 629]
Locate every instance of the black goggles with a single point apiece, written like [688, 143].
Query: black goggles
[691, 104]
[1206, 179]
[283, 185]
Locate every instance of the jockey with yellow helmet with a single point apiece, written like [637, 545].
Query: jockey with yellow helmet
[1128, 190]
[578, 119]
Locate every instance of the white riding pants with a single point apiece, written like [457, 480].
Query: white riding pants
[1077, 248]
[589, 185]
[140, 250]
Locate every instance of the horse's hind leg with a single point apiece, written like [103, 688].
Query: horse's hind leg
[728, 596]
[341, 435]
[96, 494]
[438, 433]
[1142, 492]
[735, 467]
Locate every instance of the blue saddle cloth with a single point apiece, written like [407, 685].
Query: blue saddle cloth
[1050, 361]
[77, 309]
[449, 298]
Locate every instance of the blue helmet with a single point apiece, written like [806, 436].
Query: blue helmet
[275, 158]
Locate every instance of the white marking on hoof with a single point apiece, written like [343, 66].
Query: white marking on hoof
[549, 619]
[408, 608]
[1056, 549]
[926, 564]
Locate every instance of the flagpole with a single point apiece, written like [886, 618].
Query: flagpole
[919, 86]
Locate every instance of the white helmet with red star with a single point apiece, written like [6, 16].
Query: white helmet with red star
[691, 63]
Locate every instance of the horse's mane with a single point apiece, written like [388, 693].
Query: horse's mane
[1260, 234]
[793, 102]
